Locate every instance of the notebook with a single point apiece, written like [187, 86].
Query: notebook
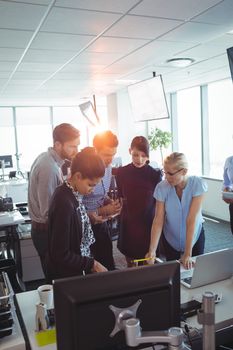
[209, 268]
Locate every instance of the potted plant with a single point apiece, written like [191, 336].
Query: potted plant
[159, 139]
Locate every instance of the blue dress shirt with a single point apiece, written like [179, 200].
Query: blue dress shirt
[176, 210]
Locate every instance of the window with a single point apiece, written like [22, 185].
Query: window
[34, 133]
[7, 137]
[220, 125]
[165, 125]
[189, 128]
[31, 132]
[156, 156]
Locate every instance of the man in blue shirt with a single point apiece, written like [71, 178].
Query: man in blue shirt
[99, 206]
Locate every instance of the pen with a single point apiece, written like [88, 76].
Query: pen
[144, 259]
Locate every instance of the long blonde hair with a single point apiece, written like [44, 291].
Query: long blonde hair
[178, 159]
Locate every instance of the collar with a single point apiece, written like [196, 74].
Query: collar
[76, 193]
[55, 156]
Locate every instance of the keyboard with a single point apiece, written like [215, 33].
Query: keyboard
[187, 280]
[186, 274]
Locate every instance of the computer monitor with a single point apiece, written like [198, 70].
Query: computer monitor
[148, 100]
[84, 319]
[6, 161]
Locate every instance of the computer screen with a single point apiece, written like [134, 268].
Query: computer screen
[148, 100]
[84, 319]
[6, 161]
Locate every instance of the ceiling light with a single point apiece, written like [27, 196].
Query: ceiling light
[180, 62]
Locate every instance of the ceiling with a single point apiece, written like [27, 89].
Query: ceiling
[69, 50]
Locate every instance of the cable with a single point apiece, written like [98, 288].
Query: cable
[193, 334]
[187, 331]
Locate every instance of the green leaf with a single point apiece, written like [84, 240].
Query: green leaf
[159, 139]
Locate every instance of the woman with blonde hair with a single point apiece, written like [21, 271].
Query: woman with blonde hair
[178, 212]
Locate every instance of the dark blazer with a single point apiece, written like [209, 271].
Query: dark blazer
[65, 232]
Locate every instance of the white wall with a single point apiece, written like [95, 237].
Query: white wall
[126, 128]
[112, 114]
[213, 204]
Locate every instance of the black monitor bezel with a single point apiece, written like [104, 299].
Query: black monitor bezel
[7, 159]
[79, 291]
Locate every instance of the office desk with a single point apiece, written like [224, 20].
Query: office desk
[223, 311]
[10, 218]
[26, 306]
[26, 303]
[11, 256]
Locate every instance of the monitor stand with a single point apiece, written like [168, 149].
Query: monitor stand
[125, 319]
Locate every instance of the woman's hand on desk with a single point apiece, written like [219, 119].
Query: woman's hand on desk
[150, 258]
[187, 261]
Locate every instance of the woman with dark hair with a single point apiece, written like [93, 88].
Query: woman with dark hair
[70, 233]
[136, 183]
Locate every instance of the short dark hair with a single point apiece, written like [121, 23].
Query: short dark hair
[105, 139]
[88, 163]
[141, 143]
[65, 132]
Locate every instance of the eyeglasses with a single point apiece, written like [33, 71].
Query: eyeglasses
[172, 174]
